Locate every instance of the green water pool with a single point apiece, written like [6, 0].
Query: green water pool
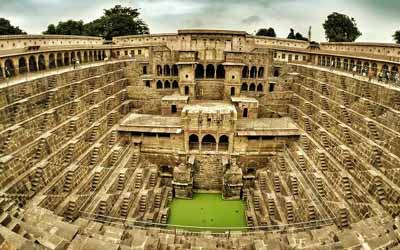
[207, 210]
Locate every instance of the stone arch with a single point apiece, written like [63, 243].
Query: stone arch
[42, 62]
[167, 70]
[346, 64]
[167, 84]
[210, 71]
[85, 57]
[245, 72]
[252, 87]
[22, 65]
[79, 56]
[245, 87]
[159, 84]
[374, 68]
[245, 112]
[59, 60]
[193, 142]
[32, 64]
[220, 71]
[223, 143]
[253, 72]
[187, 90]
[52, 61]
[208, 143]
[261, 72]
[233, 91]
[260, 87]
[175, 84]
[66, 59]
[276, 72]
[199, 72]
[90, 56]
[159, 70]
[73, 56]
[174, 70]
[9, 68]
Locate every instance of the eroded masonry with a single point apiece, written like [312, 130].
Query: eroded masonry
[92, 154]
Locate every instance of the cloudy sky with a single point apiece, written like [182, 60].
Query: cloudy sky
[377, 19]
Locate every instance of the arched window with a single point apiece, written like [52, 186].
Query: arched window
[260, 87]
[66, 58]
[52, 61]
[271, 87]
[159, 84]
[252, 87]
[144, 70]
[253, 72]
[245, 112]
[167, 71]
[22, 65]
[385, 68]
[245, 72]
[175, 85]
[9, 68]
[208, 143]
[199, 73]
[32, 64]
[220, 71]
[42, 62]
[148, 84]
[187, 92]
[261, 72]
[193, 142]
[175, 71]
[245, 87]
[60, 61]
[232, 91]
[159, 70]
[223, 144]
[210, 71]
[167, 84]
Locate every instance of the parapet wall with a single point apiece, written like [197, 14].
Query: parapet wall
[24, 41]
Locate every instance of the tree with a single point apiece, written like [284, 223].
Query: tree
[7, 29]
[396, 36]
[341, 28]
[70, 27]
[291, 34]
[266, 32]
[297, 36]
[117, 21]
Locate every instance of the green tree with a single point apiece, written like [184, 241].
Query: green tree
[291, 34]
[296, 36]
[341, 28]
[51, 30]
[396, 36]
[266, 32]
[7, 29]
[117, 21]
[70, 27]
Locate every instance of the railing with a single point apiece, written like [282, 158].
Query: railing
[386, 77]
[208, 146]
[198, 230]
